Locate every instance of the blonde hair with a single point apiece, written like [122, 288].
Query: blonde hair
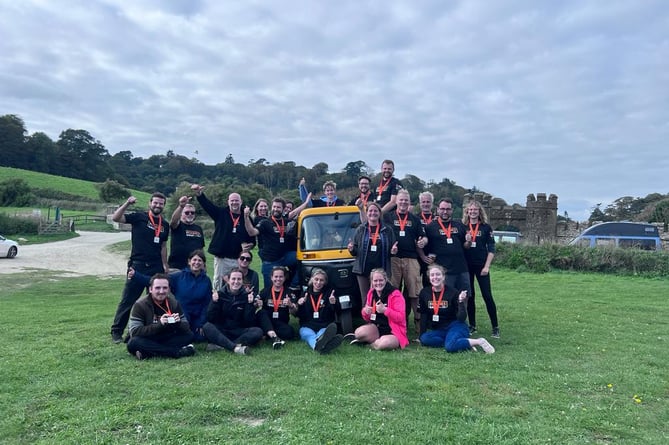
[317, 271]
[483, 216]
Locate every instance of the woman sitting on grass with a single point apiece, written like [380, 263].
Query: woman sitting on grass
[385, 314]
[276, 303]
[316, 310]
[231, 318]
[444, 311]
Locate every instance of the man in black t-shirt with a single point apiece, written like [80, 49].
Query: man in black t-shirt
[386, 192]
[186, 236]
[272, 233]
[410, 235]
[148, 255]
[448, 240]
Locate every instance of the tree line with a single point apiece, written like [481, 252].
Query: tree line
[77, 154]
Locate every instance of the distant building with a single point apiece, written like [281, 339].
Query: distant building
[537, 221]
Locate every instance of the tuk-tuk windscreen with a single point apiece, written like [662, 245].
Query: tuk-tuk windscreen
[327, 232]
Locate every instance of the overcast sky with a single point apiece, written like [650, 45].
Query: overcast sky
[513, 97]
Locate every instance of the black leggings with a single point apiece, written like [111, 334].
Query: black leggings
[486, 291]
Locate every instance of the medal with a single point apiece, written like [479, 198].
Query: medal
[372, 248]
[473, 243]
[435, 317]
[402, 233]
[156, 239]
[275, 315]
[372, 317]
[449, 240]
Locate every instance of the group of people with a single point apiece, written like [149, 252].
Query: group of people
[404, 262]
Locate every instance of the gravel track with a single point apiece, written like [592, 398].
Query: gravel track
[83, 255]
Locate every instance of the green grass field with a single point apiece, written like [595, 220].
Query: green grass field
[59, 183]
[582, 359]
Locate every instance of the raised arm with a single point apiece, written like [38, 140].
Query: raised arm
[252, 231]
[119, 215]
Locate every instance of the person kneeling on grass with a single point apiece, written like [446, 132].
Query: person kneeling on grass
[444, 311]
[231, 317]
[385, 314]
[316, 310]
[157, 325]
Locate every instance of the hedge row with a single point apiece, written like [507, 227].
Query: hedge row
[13, 225]
[609, 260]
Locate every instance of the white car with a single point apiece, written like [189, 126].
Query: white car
[8, 248]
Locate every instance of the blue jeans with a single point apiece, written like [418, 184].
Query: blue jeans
[289, 259]
[454, 338]
[308, 335]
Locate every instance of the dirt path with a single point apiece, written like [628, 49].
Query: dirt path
[84, 255]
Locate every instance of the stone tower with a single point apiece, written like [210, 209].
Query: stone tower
[541, 219]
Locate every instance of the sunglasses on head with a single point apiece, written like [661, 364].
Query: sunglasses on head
[245, 258]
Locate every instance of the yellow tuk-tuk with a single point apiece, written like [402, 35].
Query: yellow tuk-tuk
[323, 234]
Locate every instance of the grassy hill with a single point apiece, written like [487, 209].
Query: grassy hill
[77, 187]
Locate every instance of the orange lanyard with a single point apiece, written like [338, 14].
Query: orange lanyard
[277, 301]
[427, 219]
[364, 199]
[235, 221]
[281, 228]
[167, 304]
[374, 237]
[474, 230]
[382, 187]
[403, 222]
[436, 304]
[317, 304]
[446, 231]
[157, 229]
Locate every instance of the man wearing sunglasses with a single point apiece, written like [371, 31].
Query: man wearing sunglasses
[186, 236]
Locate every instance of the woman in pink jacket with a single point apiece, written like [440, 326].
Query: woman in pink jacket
[384, 313]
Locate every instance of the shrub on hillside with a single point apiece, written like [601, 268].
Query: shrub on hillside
[610, 260]
[112, 191]
[15, 192]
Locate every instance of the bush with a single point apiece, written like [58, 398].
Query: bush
[12, 226]
[609, 260]
[112, 191]
[15, 192]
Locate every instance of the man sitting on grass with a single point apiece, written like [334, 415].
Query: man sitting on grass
[157, 325]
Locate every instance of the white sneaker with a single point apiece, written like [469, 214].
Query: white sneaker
[242, 350]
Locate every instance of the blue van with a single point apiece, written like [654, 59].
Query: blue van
[620, 234]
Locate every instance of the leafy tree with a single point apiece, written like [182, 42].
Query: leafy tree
[12, 137]
[661, 213]
[597, 214]
[112, 191]
[82, 156]
[41, 152]
[15, 192]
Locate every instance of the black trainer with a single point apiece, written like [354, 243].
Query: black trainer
[277, 343]
[186, 351]
[324, 339]
[332, 344]
[472, 329]
[495, 333]
[117, 337]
